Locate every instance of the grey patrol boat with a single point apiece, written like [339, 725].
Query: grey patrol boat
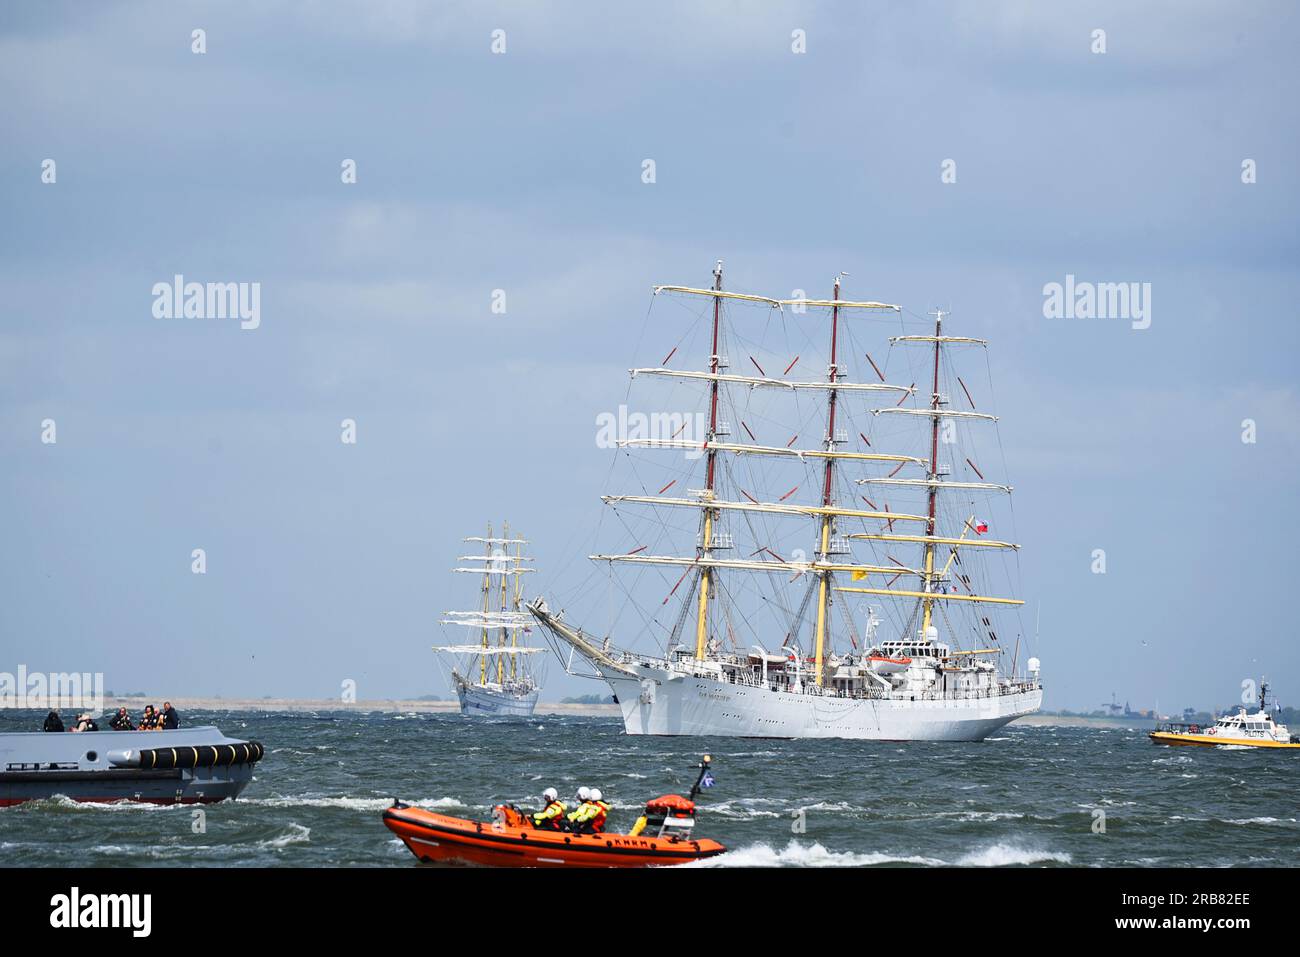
[180, 766]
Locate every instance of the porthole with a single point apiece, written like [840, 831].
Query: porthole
[92, 756]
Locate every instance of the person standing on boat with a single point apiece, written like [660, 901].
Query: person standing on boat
[170, 720]
[121, 721]
[552, 814]
[53, 722]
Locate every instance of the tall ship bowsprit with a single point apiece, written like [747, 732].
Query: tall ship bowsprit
[756, 637]
[495, 676]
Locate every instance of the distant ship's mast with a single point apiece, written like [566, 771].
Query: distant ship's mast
[505, 579]
[519, 588]
[487, 588]
[707, 517]
[494, 614]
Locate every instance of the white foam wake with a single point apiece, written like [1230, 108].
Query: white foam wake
[1010, 855]
[351, 803]
[795, 854]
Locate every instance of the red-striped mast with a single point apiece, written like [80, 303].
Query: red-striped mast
[933, 470]
[707, 517]
[828, 484]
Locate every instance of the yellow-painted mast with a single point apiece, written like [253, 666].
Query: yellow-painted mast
[505, 553]
[928, 603]
[514, 634]
[709, 514]
[828, 518]
[487, 588]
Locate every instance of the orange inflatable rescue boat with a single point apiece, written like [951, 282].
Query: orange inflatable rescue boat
[662, 836]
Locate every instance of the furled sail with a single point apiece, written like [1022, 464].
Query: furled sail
[838, 385]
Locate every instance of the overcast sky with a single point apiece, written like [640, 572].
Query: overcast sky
[522, 171]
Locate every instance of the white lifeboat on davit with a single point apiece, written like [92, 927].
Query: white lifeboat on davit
[883, 665]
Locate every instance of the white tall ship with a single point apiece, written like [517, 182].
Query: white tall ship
[763, 639]
[494, 677]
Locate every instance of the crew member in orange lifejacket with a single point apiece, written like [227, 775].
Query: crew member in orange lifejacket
[591, 815]
[552, 814]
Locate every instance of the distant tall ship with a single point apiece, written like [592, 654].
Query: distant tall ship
[494, 676]
[750, 644]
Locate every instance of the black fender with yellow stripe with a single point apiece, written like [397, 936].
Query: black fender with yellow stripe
[196, 756]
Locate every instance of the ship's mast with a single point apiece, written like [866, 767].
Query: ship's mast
[487, 587]
[828, 519]
[505, 576]
[494, 615]
[928, 603]
[514, 637]
[708, 514]
[705, 564]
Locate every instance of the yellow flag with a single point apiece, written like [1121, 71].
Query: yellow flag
[859, 575]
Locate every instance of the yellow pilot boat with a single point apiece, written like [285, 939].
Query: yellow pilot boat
[1241, 730]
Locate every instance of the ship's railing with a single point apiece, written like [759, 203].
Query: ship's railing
[965, 694]
[1183, 727]
[742, 675]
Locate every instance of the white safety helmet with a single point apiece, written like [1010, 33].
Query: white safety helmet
[550, 794]
[595, 794]
[584, 794]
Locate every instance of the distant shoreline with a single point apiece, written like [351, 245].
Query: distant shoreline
[1083, 721]
[402, 706]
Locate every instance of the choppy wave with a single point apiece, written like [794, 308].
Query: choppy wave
[795, 854]
[297, 834]
[353, 803]
[739, 810]
[318, 797]
[815, 854]
[1010, 855]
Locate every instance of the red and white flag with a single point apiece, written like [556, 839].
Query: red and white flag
[980, 526]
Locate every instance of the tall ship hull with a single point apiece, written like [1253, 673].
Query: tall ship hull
[485, 701]
[659, 701]
[734, 699]
[756, 600]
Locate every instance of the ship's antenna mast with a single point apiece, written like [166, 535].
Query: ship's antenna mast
[707, 518]
[928, 603]
[824, 588]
